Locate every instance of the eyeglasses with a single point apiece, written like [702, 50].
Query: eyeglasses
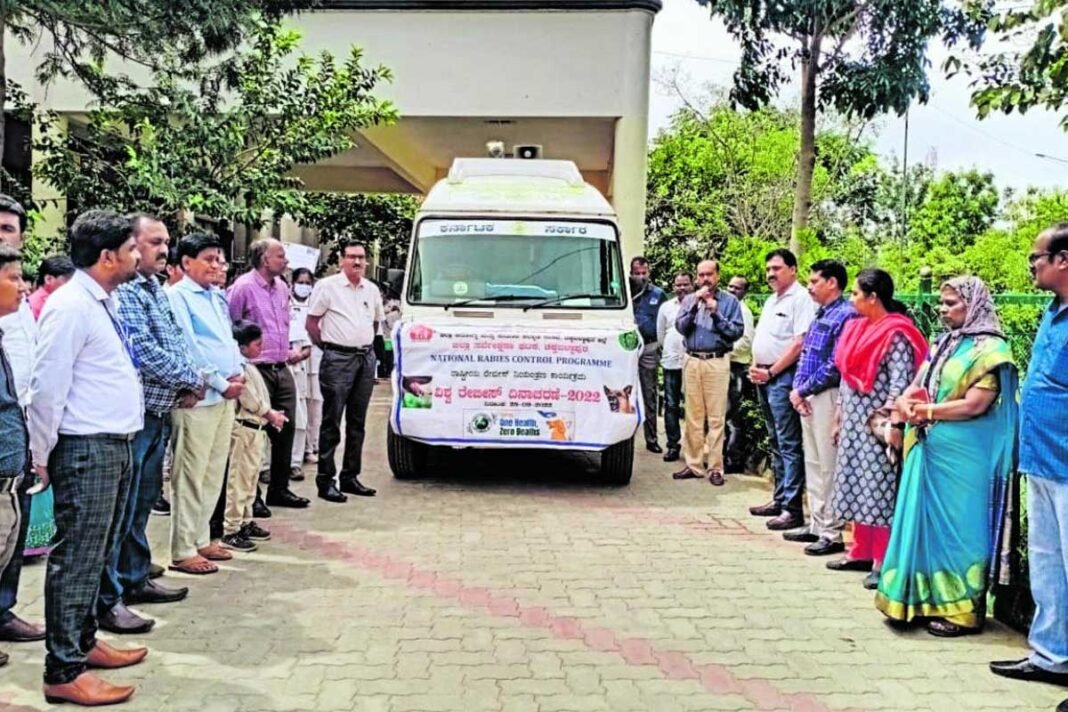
[1036, 256]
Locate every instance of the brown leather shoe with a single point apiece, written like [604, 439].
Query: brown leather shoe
[686, 474]
[16, 630]
[766, 510]
[88, 690]
[715, 478]
[104, 656]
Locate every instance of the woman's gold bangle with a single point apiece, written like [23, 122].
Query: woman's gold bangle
[930, 411]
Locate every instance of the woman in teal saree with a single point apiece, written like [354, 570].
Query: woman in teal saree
[959, 457]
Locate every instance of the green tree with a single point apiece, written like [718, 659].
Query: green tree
[224, 146]
[384, 222]
[80, 35]
[1036, 74]
[861, 58]
[718, 177]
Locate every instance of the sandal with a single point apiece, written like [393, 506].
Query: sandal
[195, 565]
[942, 628]
[215, 552]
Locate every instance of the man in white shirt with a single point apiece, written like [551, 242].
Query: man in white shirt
[777, 343]
[19, 339]
[86, 405]
[672, 354]
[736, 444]
[345, 314]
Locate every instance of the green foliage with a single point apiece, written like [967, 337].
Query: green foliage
[1036, 74]
[382, 221]
[220, 138]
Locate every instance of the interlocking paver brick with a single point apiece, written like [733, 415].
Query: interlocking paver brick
[505, 582]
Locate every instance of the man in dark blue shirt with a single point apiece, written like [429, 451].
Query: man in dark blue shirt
[710, 321]
[14, 446]
[646, 301]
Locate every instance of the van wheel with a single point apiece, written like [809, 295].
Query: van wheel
[617, 463]
[407, 458]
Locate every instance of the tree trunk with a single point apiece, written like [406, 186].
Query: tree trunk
[3, 86]
[807, 160]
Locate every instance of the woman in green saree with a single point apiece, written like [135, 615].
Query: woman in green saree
[959, 457]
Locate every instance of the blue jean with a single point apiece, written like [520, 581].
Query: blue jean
[673, 406]
[784, 433]
[1047, 558]
[129, 564]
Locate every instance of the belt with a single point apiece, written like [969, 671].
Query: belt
[277, 366]
[251, 424]
[124, 437]
[345, 349]
[10, 484]
[705, 355]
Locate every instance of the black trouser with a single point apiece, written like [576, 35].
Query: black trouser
[346, 381]
[90, 479]
[9, 582]
[736, 444]
[283, 392]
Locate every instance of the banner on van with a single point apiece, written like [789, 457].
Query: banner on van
[508, 387]
[517, 228]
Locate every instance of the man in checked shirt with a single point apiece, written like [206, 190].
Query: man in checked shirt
[814, 396]
[169, 378]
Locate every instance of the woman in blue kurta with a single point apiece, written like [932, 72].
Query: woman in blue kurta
[959, 457]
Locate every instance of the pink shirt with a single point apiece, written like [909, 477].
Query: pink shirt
[267, 304]
[37, 301]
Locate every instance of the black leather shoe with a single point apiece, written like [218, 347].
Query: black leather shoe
[824, 547]
[802, 536]
[155, 571]
[123, 621]
[152, 592]
[354, 486]
[331, 494]
[16, 630]
[654, 447]
[848, 564]
[1063, 706]
[260, 510]
[1026, 670]
[672, 455]
[285, 498]
[784, 521]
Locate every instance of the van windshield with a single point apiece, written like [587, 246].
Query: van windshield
[517, 264]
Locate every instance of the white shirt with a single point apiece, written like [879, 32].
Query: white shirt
[785, 317]
[672, 344]
[349, 311]
[83, 380]
[20, 340]
[743, 347]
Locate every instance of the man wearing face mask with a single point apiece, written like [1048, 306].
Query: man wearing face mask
[646, 301]
[303, 283]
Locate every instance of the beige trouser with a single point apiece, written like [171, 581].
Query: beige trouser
[705, 387]
[817, 432]
[9, 526]
[201, 444]
[246, 448]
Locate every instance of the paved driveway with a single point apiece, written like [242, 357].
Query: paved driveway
[508, 582]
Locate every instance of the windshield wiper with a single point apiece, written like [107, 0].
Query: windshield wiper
[564, 298]
[491, 298]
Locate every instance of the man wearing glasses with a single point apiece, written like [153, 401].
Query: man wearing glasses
[1044, 458]
[344, 315]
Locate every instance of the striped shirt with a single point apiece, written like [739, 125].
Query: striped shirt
[1044, 400]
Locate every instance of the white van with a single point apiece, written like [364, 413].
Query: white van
[517, 330]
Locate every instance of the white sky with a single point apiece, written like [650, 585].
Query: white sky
[946, 129]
